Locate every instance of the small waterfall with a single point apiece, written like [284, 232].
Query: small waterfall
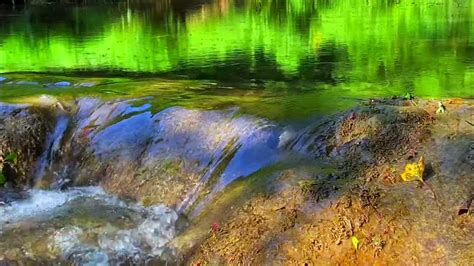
[174, 161]
[177, 156]
[53, 145]
[313, 140]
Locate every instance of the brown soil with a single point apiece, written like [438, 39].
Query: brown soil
[312, 219]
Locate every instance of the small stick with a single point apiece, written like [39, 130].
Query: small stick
[434, 194]
[379, 215]
[431, 188]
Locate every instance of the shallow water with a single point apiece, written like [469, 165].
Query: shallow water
[85, 226]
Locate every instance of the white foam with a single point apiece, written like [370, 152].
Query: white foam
[41, 202]
[155, 227]
[148, 239]
[67, 239]
[68, 242]
[154, 233]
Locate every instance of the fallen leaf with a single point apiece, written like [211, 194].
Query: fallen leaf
[215, 228]
[414, 171]
[355, 242]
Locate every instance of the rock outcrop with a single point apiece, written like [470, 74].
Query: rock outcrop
[23, 132]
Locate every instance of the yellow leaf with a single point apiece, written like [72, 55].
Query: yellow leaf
[414, 171]
[355, 242]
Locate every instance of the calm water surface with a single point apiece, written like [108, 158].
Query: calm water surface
[364, 47]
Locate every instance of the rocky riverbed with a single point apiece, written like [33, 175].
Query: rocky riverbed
[110, 181]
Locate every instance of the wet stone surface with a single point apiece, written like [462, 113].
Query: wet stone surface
[168, 156]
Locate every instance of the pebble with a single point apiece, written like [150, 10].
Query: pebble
[23, 82]
[86, 84]
[62, 84]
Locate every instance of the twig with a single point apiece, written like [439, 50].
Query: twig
[379, 215]
[434, 194]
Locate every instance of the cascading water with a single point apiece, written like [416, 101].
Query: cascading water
[178, 157]
[53, 145]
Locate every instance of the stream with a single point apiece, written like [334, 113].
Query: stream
[86, 226]
[145, 112]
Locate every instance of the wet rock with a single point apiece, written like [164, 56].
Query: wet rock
[52, 147]
[23, 130]
[24, 82]
[62, 84]
[168, 157]
[2, 79]
[8, 195]
[86, 84]
[314, 140]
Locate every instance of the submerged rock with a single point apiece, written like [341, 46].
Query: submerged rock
[62, 84]
[86, 84]
[24, 82]
[8, 195]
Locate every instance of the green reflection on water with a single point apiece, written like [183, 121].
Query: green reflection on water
[426, 46]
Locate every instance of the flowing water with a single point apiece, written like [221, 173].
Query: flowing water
[186, 97]
[86, 226]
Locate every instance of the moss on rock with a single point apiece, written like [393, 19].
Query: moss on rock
[23, 131]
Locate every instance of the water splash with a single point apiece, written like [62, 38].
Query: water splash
[53, 145]
[41, 202]
[78, 231]
[148, 239]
